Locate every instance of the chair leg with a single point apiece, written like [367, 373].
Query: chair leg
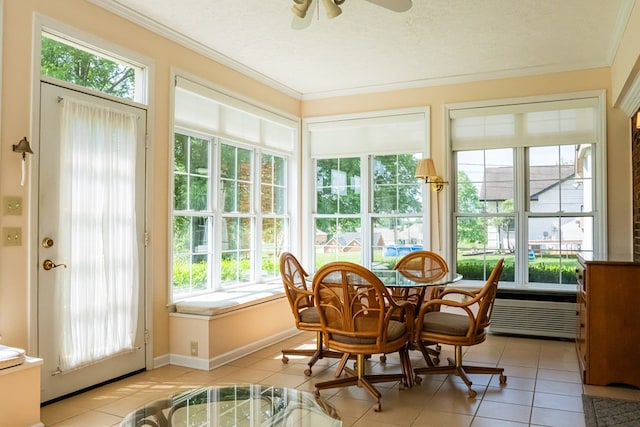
[456, 367]
[316, 354]
[361, 379]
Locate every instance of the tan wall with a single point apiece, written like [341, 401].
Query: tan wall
[221, 335]
[17, 122]
[619, 148]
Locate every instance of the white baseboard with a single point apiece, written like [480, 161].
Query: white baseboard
[207, 365]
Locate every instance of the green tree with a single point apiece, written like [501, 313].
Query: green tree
[74, 65]
[338, 193]
[470, 230]
[503, 224]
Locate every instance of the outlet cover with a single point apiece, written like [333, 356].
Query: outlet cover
[194, 348]
[11, 236]
[12, 205]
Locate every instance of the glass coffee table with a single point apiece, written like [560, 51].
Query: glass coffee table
[236, 405]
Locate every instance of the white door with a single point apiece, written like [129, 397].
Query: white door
[90, 240]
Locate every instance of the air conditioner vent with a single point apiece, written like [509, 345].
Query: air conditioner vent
[537, 318]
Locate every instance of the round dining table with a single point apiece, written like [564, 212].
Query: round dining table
[236, 405]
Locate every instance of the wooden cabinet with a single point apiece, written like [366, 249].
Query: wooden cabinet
[608, 321]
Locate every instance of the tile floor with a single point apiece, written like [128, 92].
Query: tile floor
[543, 388]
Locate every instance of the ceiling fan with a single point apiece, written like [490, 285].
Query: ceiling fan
[302, 19]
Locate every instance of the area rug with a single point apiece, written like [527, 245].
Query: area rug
[609, 412]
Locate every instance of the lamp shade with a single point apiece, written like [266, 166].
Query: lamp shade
[426, 169]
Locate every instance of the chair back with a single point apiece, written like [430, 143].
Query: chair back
[487, 296]
[422, 266]
[355, 310]
[295, 284]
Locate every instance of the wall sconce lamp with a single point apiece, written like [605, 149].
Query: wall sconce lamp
[426, 170]
[23, 148]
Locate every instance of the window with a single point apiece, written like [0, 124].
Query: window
[231, 192]
[90, 67]
[367, 206]
[525, 189]
[394, 220]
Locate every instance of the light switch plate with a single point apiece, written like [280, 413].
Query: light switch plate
[12, 205]
[11, 236]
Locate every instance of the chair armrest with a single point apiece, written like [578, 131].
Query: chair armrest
[428, 306]
[455, 291]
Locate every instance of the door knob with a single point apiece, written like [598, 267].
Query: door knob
[48, 265]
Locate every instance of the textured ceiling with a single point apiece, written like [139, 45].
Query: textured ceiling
[371, 48]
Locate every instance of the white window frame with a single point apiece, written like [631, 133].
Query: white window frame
[363, 148]
[258, 145]
[599, 177]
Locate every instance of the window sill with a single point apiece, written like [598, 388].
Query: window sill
[216, 303]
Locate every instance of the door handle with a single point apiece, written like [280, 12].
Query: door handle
[49, 265]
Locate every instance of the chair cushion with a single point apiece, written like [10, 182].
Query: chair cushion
[310, 315]
[395, 330]
[440, 322]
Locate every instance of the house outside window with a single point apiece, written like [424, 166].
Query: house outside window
[529, 188]
[232, 186]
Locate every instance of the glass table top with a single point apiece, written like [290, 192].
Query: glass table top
[236, 405]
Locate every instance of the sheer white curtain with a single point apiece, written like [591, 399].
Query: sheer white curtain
[98, 293]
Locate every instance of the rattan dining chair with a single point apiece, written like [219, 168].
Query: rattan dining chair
[304, 312]
[467, 326]
[355, 311]
[425, 267]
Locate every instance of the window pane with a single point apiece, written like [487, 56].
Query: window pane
[71, 63]
[273, 238]
[396, 190]
[235, 179]
[338, 186]
[393, 238]
[191, 173]
[272, 185]
[485, 181]
[236, 250]
[338, 239]
[557, 176]
[553, 245]
[190, 254]
[229, 162]
[481, 242]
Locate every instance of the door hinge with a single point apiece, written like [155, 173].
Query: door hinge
[146, 336]
[147, 238]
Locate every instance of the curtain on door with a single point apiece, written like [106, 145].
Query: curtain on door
[98, 293]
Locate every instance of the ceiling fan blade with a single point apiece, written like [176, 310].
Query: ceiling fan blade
[298, 23]
[394, 5]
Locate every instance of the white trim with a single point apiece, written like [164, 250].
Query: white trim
[624, 14]
[230, 356]
[630, 101]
